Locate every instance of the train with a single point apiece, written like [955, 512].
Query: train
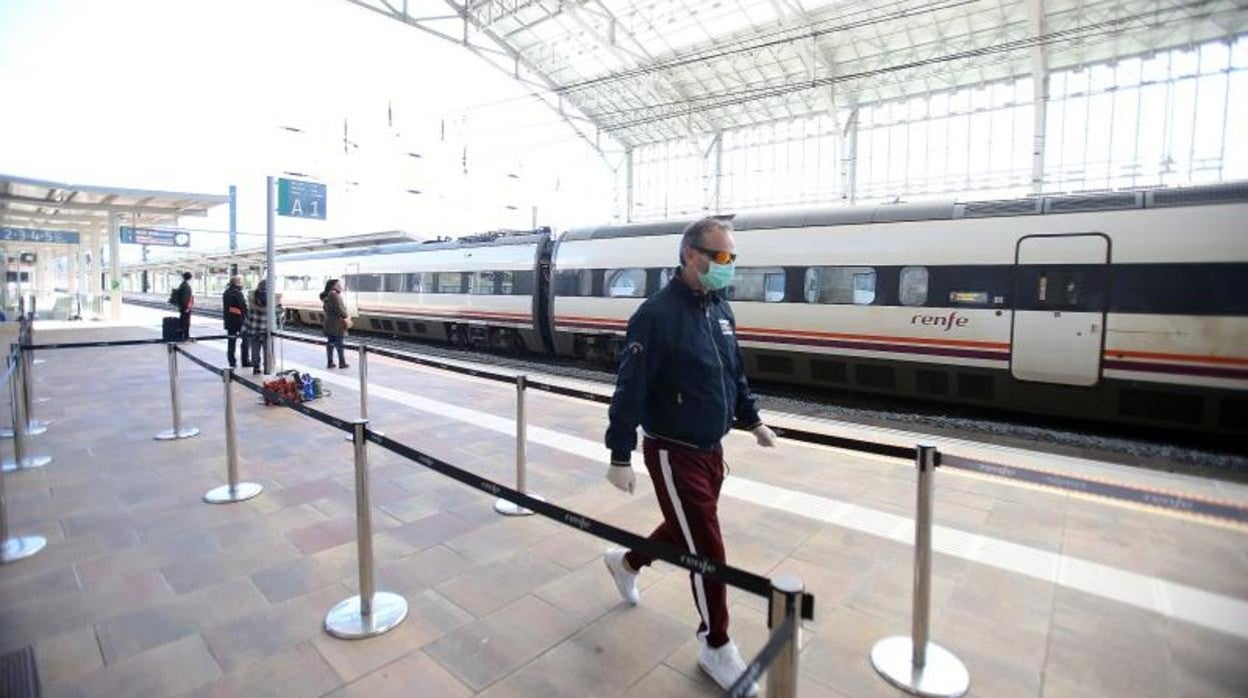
[1116, 307]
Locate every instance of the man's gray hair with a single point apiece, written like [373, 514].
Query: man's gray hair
[697, 231]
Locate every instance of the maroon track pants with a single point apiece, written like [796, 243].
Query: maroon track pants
[687, 484]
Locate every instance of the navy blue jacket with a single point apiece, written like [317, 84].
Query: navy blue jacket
[680, 373]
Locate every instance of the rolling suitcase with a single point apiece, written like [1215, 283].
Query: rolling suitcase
[170, 330]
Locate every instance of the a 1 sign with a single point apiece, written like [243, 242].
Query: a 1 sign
[299, 199]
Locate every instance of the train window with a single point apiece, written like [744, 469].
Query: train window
[1068, 287]
[413, 284]
[840, 285]
[504, 281]
[574, 282]
[450, 282]
[394, 283]
[626, 283]
[521, 283]
[665, 276]
[363, 283]
[482, 283]
[567, 283]
[296, 283]
[764, 284]
[912, 289]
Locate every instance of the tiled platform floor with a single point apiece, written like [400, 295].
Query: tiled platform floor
[145, 591]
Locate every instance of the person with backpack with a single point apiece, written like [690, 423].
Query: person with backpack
[184, 299]
[256, 326]
[336, 323]
[234, 313]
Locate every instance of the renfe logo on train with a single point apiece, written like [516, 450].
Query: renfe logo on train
[946, 321]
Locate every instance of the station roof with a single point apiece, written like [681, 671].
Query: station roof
[256, 255]
[33, 203]
[644, 71]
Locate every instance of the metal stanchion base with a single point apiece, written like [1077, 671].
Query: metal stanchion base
[507, 508]
[346, 622]
[33, 428]
[184, 433]
[226, 495]
[942, 675]
[9, 465]
[21, 547]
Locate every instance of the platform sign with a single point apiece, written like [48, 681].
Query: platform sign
[61, 237]
[299, 199]
[153, 236]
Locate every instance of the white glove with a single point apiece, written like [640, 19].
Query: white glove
[622, 476]
[765, 436]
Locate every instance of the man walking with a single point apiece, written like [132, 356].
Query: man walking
[681, 377]
[234, 307]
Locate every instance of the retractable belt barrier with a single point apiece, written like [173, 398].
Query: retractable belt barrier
[727, 574]
[117, 343]
[196, 360]
[1160, 499]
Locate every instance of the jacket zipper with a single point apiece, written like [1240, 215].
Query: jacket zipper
[723, 389]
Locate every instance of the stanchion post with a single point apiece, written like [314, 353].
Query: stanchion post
[361, 365]
[175, 399]
[21, 460]
[233, 491]
[371, 612]
[786, 599]
[33, 427]
[914, 664]
[502, 506]
[17, 547]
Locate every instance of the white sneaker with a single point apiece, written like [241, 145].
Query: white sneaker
[724, 665]
[625, 580]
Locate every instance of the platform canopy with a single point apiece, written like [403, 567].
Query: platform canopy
[645, 71]
[33, 203]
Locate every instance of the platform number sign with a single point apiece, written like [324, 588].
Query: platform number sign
[300, 199]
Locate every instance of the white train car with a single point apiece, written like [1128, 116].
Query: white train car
[1127, 306]
[482, 293]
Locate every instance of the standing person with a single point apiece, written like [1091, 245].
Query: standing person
[256, 326]
[234, 306]
[186, 303]
[681, 377]
[335, 324]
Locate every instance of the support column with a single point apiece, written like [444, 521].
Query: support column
[849, 158]
[628, 186]
[71, 270]
[114, 265]
[717, 173]
[4, 279]
[1040, 93]
[234, 228]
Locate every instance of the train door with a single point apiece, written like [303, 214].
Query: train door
[1060, 290]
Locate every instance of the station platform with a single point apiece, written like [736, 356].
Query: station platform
[144, 590]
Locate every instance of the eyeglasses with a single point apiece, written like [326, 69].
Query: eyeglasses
[717, 256]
